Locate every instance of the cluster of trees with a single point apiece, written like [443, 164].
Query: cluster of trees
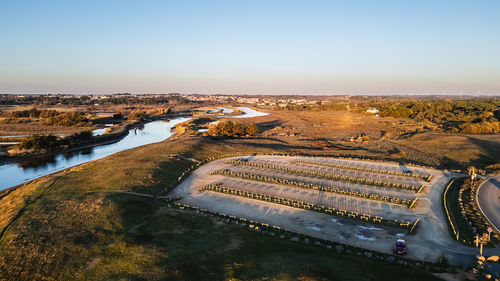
[88, 100]
[67, 119]
[463, 116]
[51, 142]
[233, 129]
[32, 113]
[40, 142]
[52, 117]
[136, 115]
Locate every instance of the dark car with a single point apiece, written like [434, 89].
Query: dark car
[400, 247]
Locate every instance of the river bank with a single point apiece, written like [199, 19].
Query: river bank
[22, 171]
[98, 140]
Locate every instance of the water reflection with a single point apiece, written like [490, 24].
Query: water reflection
[37, 162]
[16, 173]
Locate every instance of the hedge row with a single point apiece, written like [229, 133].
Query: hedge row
[343, 156]
[329, 176]
[299, 237]
[365, 169]
[371, 196]
[471, 215]
[217, 187]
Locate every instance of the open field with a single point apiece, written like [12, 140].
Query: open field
[79, 224]
[330, 131]
[174, 243]
[432, 223]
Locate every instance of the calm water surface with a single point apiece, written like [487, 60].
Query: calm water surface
[16, 173]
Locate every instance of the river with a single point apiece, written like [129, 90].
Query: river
[12, 174]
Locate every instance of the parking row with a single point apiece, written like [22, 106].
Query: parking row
[297, 203]
[299, 184]
[329, 175]
[366, 168]
[362, 188]
[339, 201]
[348, 172]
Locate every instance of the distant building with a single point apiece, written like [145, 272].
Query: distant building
[372, 110]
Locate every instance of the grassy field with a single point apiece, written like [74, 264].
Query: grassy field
[330, 132]
[80, 225]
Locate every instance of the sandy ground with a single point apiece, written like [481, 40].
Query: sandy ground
[430, 242]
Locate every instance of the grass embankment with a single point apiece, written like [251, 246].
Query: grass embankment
[80, 225]
[465, 215]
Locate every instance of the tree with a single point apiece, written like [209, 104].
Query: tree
[252, 129]
[232, 129]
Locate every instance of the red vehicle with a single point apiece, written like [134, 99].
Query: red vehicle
[400, 247]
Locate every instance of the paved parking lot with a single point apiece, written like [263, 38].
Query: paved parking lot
[429, 242]
[345, 172]
[383, 191]
[371, 165]
[327, 199]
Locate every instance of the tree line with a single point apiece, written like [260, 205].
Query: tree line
[232, 129]
[52, 117]
[86, 100]
[52, 142]
[456, 116]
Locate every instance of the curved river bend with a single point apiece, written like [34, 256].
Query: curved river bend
[12, 174]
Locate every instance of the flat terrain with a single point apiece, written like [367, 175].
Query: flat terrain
[432, 229]
[101, 220]
[331, 131]
[82, 224]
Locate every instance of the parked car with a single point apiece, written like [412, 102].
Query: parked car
[400, 247]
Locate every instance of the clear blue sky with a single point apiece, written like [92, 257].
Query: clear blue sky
[255, 47]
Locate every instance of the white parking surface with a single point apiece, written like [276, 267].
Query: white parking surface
[429, 242]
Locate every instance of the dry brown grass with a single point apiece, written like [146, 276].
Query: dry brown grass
[80, 230]
[78, 220]
[32, 128]
[453, 150]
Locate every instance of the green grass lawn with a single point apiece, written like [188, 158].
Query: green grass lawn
[76, 226]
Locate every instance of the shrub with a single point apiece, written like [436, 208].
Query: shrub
[136, 115]
[53, 117]
[51, 142]
[39, 142]
[233, 129]
[66, 119]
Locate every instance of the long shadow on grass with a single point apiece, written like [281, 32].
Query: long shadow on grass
[491, 151]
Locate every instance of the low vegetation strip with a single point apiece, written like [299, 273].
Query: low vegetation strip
[329, 176]
[343, 191]
[217, 187]
[367, 169]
